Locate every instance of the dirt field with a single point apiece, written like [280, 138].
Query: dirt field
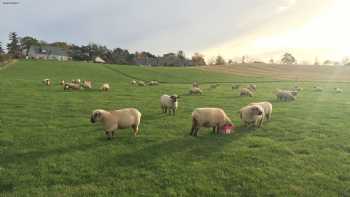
[289, 72]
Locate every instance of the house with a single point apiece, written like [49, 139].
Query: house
[48, 53]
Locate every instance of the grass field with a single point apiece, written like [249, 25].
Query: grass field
[48, 147]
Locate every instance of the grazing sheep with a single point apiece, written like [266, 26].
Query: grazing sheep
[195, 84]
[338, 90]
[235, 87]
[252, 87]
[318, 89]
[285, 96]
[87, 84]
[214, 118]
[195, 91]
[267, 106]
[153, 83]
[292, 92]
[141, 83]
[105, 87]
[169, 103]
[62, 82]
[246, 92]
[76, 81]
[71, 86]
[252, 115]
[133, 82]
[117, 119]
[47, 82]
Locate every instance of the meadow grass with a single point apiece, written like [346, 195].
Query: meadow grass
[48, 147]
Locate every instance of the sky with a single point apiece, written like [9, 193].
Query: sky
[258, 29]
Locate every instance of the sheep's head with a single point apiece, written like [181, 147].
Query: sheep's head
[96, 116]
[174, 98]
[256, 110]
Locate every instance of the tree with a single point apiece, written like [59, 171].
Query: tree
[198, 60]
[14, 48]
[288, 59]
[181, 55]
[272, 61]
[27, 42]
[1, 49]
[220, 60]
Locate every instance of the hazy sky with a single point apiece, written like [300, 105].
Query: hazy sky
[257, 28]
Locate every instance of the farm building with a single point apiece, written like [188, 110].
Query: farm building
[48, 53]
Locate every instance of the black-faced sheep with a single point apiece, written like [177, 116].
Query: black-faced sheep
[169, 103]
[117, 119]
[252, 115]
[267, 106]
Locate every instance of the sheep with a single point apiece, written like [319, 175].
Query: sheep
[117, 119]
[87, 84]
[133, 82]
[252, 87]
[285, 96]
[105, 87]
[71, 86]
[338, 90]
[267, 106]
[47, 82]
[195, 84]
[246, 92]
[153, 83]
[292, 92]
[214, 118]
[62, 82]
[318, 89]
[169, 103]
[235, 87]
[141, 83]
[76, 81]
[252, 115]
[195, 91]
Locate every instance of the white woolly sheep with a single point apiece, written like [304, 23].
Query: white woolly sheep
[71, 86]
[87, 84]
[338, 90]
[169, 103]
[117, 119]
[141, 83]
[267, 106]
[195, 91]
[285, 96]
[153, 83]
[252, 87]
[246, 92]
[214, 118]
[252, 115]
[47, 82]
[133, 82]
[105, 87]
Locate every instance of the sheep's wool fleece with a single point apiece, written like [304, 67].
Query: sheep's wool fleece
[209, 117]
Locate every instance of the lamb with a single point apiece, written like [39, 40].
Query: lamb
[252, 87]
[133, 82]
[71, 86]
[214, 118]
[105, 87]
[246, 92]
[117, 119]
[153, 83]
[141, 83]
[252, 115]
[195, 91]
[87, 84]
[338, 90]
[318, 89]
[267, 106]
[285, 96]
[169, 103]
[47, 82]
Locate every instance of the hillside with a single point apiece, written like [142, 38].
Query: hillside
[49, 147]
[285, 72]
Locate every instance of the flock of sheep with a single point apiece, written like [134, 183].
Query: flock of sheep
[253, 114]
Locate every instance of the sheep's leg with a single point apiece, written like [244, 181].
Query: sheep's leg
[196, 133]
[214, 129]
[174, 112]
[136, 129]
